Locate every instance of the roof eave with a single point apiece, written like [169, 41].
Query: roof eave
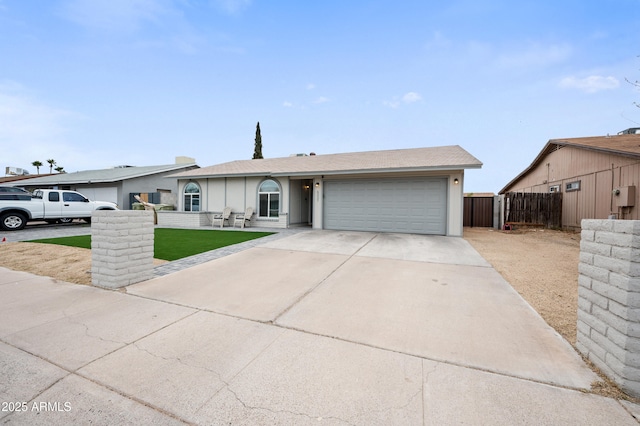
[221, 175]
[600, 149]
[108, 180]
[380, 170]
[334, 172]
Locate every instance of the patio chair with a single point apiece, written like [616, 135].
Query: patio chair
[243, 218]
[222, 217]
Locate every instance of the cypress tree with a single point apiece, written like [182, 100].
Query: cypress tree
[257, 151]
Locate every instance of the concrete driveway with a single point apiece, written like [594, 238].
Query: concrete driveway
[320, 327]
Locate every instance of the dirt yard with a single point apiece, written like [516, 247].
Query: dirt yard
[70, 264]
[542, 265]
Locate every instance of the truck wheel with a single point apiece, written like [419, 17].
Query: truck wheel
[65, 220]
[12, 221]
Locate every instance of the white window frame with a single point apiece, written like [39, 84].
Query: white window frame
[572, 186]
[190, 196]
[270, 213]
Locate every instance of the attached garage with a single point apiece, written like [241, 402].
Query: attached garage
[408, 205]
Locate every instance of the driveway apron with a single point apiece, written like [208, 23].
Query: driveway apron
[321, 327]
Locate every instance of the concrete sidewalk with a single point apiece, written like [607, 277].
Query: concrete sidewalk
[319, 327]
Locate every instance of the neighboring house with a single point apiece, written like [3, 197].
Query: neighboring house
[597, 176]
[404, 190]
[18, 180]
[119, 184]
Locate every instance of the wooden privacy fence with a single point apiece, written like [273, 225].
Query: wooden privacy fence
[534, 208]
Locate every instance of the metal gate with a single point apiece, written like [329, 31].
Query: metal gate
[478, 212]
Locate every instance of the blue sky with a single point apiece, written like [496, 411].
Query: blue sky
[98, 83]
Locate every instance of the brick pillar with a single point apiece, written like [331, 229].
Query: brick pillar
[121, 247]
[609, 299]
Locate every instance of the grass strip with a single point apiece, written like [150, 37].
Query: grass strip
[173, 244]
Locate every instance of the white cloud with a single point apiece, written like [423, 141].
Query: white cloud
[31, 127]
[116, 15]
[129, 17]
[321, 100]
[438, 41]
[311, 86]
[590, 84]
[232, 7]
[407, 98]
[411, 97]
[287, 104]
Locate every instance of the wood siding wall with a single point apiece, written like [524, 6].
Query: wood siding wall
[598, 173]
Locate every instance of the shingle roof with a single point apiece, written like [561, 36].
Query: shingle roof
[104, 175]
[416, 159]
[627, 145]
[23, 178]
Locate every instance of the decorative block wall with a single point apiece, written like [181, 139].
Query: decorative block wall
[121, 247]
[609, 299]
[177, 219]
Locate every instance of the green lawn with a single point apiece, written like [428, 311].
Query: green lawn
[172, 244]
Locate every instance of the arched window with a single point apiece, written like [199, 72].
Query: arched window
[269, 199]
[192, 197]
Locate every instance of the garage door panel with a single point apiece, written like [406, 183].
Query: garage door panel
[416, 205]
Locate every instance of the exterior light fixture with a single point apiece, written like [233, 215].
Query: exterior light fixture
[456, 181]
[317, 184]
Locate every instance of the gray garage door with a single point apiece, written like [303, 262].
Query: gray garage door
[411, 205]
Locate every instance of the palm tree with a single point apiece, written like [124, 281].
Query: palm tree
[60, 169]
[37, 165]
[51, 164]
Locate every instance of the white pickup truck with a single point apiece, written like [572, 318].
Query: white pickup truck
[50, 205]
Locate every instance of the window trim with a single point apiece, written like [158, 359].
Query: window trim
[572, 186]
[191, 195]
[269, 194]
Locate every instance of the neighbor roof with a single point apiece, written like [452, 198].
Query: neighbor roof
[105, 175]
[397, 160]
[627, 145]
[22, 178]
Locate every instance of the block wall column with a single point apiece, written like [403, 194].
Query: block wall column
[609, 299]
[121, 247]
